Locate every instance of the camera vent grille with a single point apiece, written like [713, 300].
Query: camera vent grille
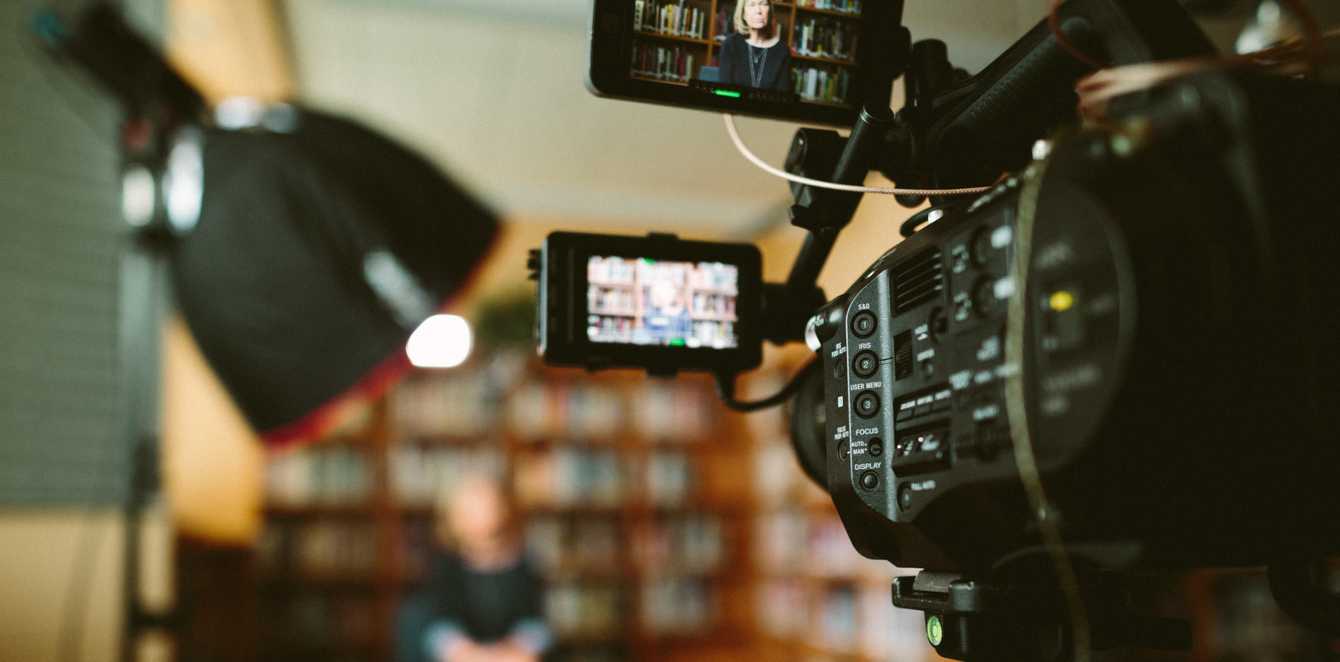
[902, 355]
[917, 281]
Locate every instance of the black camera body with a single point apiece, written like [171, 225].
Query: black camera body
[1173, 361]
[1119, 359]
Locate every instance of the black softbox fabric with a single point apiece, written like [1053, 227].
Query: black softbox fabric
[314, 257]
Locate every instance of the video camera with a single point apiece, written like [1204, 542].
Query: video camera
[1117, 358]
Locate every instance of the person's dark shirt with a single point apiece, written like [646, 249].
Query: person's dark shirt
[485, 606]
[734, 64]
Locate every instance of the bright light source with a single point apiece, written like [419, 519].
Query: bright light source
[441, 341]
[139, 195]
[184, 181]
[235, 113]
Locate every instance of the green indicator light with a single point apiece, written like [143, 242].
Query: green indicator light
[935, 632]
[677, 342]
[727, 93]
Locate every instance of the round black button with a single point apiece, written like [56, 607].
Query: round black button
[981, 247]
[865, 364]
[988, 445]
[864, 324]
[939, 324]
[867, 404]
[984, 296]
[875, 447]
[869, 480]
[844, 451]
[904, 497]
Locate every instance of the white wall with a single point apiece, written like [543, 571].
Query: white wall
[494, 91]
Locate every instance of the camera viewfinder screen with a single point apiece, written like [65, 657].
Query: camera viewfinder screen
[640, 301]
[802, 51]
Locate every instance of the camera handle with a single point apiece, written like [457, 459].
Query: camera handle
[982, 621]
[786, 308]
[826, 155]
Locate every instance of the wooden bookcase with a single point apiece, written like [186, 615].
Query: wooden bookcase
[692, 43]
[816, 598]
[633, 492]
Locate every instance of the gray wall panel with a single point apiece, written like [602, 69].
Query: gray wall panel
[60, 235]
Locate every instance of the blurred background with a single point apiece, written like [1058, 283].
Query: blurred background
[664, 526]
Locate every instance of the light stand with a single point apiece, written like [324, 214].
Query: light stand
[158, 104]
[143, 288]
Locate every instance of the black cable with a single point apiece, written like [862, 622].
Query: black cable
[726, 390]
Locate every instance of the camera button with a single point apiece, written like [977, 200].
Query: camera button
[864, 324]
[866, 404]
[865, 364]
[869, 480]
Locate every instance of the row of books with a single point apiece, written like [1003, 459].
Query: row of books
[323, 475]
[611, 270]
[568, 477]
[611, 301]
[846, 620]
[777, 478]
[797, 542]
[315, 620]
[538, 410]
[846, 6]
[821, 84]
[322, 549]
[826, 37]
[584, 609]
[623, 271]
[668, 63]
[702, 329]
[422, 475]
[449, 406]
[720, 306]
[677, 606]
[562, 546]
[669, 479]
[574, 476]
[691, 544]
[671, 17]
[469, 408]
[660, 412]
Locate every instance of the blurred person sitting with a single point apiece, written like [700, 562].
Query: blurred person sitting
[483, 600]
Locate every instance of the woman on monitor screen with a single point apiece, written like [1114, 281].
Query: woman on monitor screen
[755, 55]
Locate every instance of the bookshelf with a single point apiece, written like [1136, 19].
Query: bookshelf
[815, 597]
[674, 39]
[629, 490]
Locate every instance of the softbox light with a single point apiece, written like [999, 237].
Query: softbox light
[318, 250]
[304, 249]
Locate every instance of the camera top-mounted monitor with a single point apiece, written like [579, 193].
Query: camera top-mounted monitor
[798, 60]
[657, 303]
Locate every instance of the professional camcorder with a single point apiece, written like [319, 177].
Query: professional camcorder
[1116, 359]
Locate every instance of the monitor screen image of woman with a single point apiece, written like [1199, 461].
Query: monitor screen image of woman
[756, 55]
